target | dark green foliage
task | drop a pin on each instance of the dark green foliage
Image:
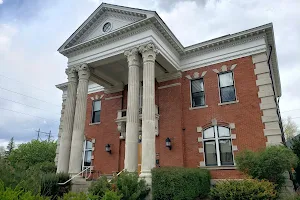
(100, 186)
(126, 185)
(176, 183)
(296, 150)
(32, 153)
(6, 193)
(50, 186)
(269, 164)
(111, 195)
(244, 190)
(78, 196)
(130, 187)
(10, 147)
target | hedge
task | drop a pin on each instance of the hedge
(244, 190)
(176, 183)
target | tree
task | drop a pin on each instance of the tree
(10, 147)
(2, 151)
(290, 128)
(33, 153)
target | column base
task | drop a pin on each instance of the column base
(147, 176)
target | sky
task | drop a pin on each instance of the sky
(31, 31)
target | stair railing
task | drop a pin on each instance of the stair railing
(120, 172)
(83, 171)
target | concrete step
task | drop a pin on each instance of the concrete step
(79, 184)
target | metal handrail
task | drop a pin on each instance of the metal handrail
(117, 174)
(76, 176)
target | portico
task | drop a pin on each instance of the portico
(140, 59)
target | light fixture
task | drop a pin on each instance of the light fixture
(107, 148)
(168, 143)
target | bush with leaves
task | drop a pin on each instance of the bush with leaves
(50, 186)
(78, 196)
(244, 190)
(269, 164)
(176, 183)
(111, 195)
(130, 187)
(296, 150)
(7, 193)
(100, 187)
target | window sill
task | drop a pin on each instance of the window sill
(229, 167)
(198, 107)
(96, 123)
(226, 103)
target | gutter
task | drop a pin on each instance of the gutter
(275, 98)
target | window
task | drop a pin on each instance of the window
(227, 90)
(87, 155)
(217, 146)
(197, 93)
(96, 111)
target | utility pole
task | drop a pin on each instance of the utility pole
(48, 135)
(38, 135)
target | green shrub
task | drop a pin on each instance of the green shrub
(50, 186)
(244, 190)
(17, 194)
(269, 164)
(78, 196)
(100, 187)
(176, 183)
(130, 187)
(111, 195)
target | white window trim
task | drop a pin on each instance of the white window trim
(191, 98)
(91, 122)
(219, 88)
(83, 154)
(216, 139)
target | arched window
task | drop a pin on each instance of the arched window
(217, 146)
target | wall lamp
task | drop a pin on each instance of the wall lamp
(107, 148)
(168, 143)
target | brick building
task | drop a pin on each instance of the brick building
(137, 99)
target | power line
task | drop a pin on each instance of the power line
(289, 110)
(27, 96)
(24, 104)
(25, 114)
(23, 83)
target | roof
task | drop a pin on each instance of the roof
(151, 17)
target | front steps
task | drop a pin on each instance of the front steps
(80, 184)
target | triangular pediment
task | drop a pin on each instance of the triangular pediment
(105, 19)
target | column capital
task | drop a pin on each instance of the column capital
(84, 71)
(133, 57)
(149, 52)
(72, 74)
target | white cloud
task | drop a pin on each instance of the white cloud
(7, 33)
(1, 2)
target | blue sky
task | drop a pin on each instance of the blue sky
(31, 31)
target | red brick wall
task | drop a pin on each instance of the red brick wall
(179, 123)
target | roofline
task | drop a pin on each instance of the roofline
(93, 13)
(62, 86)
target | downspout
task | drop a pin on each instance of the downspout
(275, 98)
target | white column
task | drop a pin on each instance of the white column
(149, 52)
(68, 120)
(79, 121)
(132, 123)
